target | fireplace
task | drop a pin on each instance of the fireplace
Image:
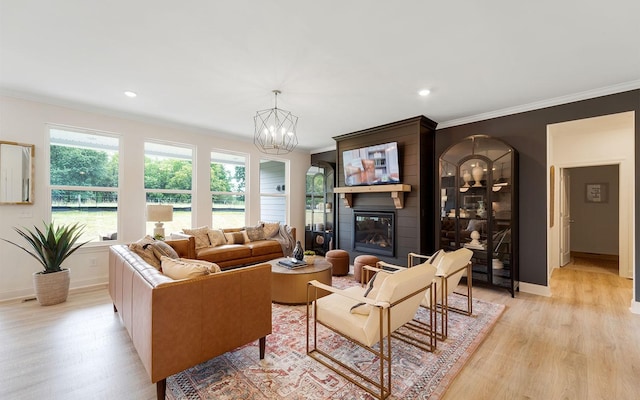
(373, 232)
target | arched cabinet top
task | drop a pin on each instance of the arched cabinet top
(477, 146)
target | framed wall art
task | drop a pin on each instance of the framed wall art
(597, 192)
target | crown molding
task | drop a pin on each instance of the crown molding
(588, 94)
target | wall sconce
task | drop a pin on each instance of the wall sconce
(159, 213)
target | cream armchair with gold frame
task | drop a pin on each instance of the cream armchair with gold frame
(451, 267)
(368, 316)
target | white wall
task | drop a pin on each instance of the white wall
(606, 140)
(25, 121)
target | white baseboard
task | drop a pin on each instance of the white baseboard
(16, 296)
(635, 307)
(535, 289)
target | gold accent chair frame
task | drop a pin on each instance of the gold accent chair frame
(379, 389)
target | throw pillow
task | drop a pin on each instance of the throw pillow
(201, 235)
(144, 249)
(145, 240)
(255, 233)
(371, 293)
(270, 229)
(216, 237)
(160, 249)
(180, 269)
(213, 267)
(239, 237)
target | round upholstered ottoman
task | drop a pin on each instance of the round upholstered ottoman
(340, 261)
(361, 260)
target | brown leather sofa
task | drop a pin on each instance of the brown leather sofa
(175, 325)
(232, 255)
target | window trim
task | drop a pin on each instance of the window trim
(191, 192)
(246, 192)
(287, 182)
(50, 188)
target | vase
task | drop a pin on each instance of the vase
(481, 211)
(52, 288)
(466, 177)
(298, 252)
(477, 173)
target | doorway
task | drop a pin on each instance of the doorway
(589, 215)
(598, 141)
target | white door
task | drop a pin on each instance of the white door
(565, 217)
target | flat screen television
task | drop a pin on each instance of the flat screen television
(373, 165)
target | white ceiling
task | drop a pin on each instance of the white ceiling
(341, 65)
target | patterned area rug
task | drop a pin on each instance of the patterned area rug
(288, 373)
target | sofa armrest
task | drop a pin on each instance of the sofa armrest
(186, 248)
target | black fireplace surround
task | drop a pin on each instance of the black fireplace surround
(374, 232)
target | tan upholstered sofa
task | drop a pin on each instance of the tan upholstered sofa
(175, 325)
(231, 255)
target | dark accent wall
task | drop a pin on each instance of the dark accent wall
(527, 132)
(326, 156)
(414, 222)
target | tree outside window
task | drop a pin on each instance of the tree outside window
(168, 172)
(83, 179)
(228, 189)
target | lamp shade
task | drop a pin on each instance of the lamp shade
(159, 212)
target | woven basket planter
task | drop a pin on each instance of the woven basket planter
(52, 288)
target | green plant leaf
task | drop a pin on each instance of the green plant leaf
(52, 245)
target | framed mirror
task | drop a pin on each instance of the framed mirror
(16, 173)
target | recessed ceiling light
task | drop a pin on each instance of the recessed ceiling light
(129, 93)
(424, 92)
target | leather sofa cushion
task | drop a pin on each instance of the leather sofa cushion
(224, 253)
(262, 247)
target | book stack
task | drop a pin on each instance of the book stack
(292, 263)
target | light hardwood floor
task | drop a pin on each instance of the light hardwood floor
(581, 343)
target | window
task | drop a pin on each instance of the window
(168, 171)
(273, 191)
(228, 190)
(83, 178)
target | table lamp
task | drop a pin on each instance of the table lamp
(159, 213)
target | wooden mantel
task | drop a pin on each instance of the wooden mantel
(397, 192)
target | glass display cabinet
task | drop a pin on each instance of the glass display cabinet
(319, 208)
(479, 207)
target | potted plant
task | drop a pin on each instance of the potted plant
(51, 246)
(309, 256)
